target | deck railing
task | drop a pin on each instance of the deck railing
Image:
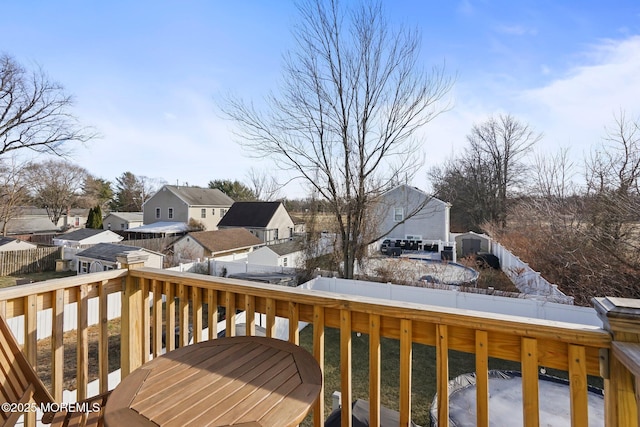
(611, 353)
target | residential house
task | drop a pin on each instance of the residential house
(181, 204)
(10, 244)
(104, 256)
(406, 213)
(269, 221)
(86, 236)
(215, 244)
(122, 220)
(286, 254)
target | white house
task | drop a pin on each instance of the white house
(104, 256)
(86, 236)
(122, 220)
(287, 254)
(406, 213)
(8, 244)
(217, 243)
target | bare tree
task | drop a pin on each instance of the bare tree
(34, 111)
(13, 191)
(265, 187)
(501, 143)
(352, 99)
(56, 186)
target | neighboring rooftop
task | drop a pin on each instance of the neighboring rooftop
(81, 234)
(225, 240)
(128, 216)
(249, 214)
(28, 225)
(286, 248)
(108, 251)
(161, 227)
(196, 196)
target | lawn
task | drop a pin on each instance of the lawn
(6, 281)
(423, 379)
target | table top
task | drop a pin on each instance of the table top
(248, 381)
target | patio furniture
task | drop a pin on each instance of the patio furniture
(253, 380)
(21, 390)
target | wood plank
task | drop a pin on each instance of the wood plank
(318, 353)
(294, 317)
(250, 313)
(212, 313)
(183, 298)
(82, 343)
(405, 371)
(196, 308)
(578, 386)
(345, 367)
(145, 315)
(157, 317)
(482, 378)
(57, 345)
(230, 310)
(103, 339)
(530, 395)
(271, 317)
(442, 374)
(170, 316)
(374, 369)
(629, 354)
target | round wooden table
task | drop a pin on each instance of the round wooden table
(248, 381)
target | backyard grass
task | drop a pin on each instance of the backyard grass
(6, 281)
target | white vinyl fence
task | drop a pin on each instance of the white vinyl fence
(526, 279)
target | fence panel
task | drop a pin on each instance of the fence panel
(28, 261)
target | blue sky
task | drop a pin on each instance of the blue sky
(145, 73)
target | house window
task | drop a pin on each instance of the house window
(170, 213)
(398, 214)
(222, 212)
(157, 213)
(84, 267)
(275, 234)
(203, 213)
(213, 212)
(284, 261)
(122, 226)
(77, 222)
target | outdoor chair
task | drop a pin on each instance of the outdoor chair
(21, 385)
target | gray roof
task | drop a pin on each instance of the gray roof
(30, 225)
(287, 247)
(196, 196)
(128, 216)
(107, 251)
(81, 234)
(6, 240)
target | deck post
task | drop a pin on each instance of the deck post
(131, 333)
(621, 317)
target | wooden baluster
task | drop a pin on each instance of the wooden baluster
(318, 353)
(578, 385)
(57, 344)
(103, 338)
(405, 371)
(170, 315)
(250, 315)
(442, 376)
(212, 312)
(271, 318)
(294, 319)
(31, 342)
(157, 317)
(230, 308)
(146, 320)
(530, 395)
(131, 321)
(482, 379)
(196, 308)
(374, 369)
(82, 376)
(345, 367)
(183, 295)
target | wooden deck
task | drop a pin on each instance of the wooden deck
(610, 353)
